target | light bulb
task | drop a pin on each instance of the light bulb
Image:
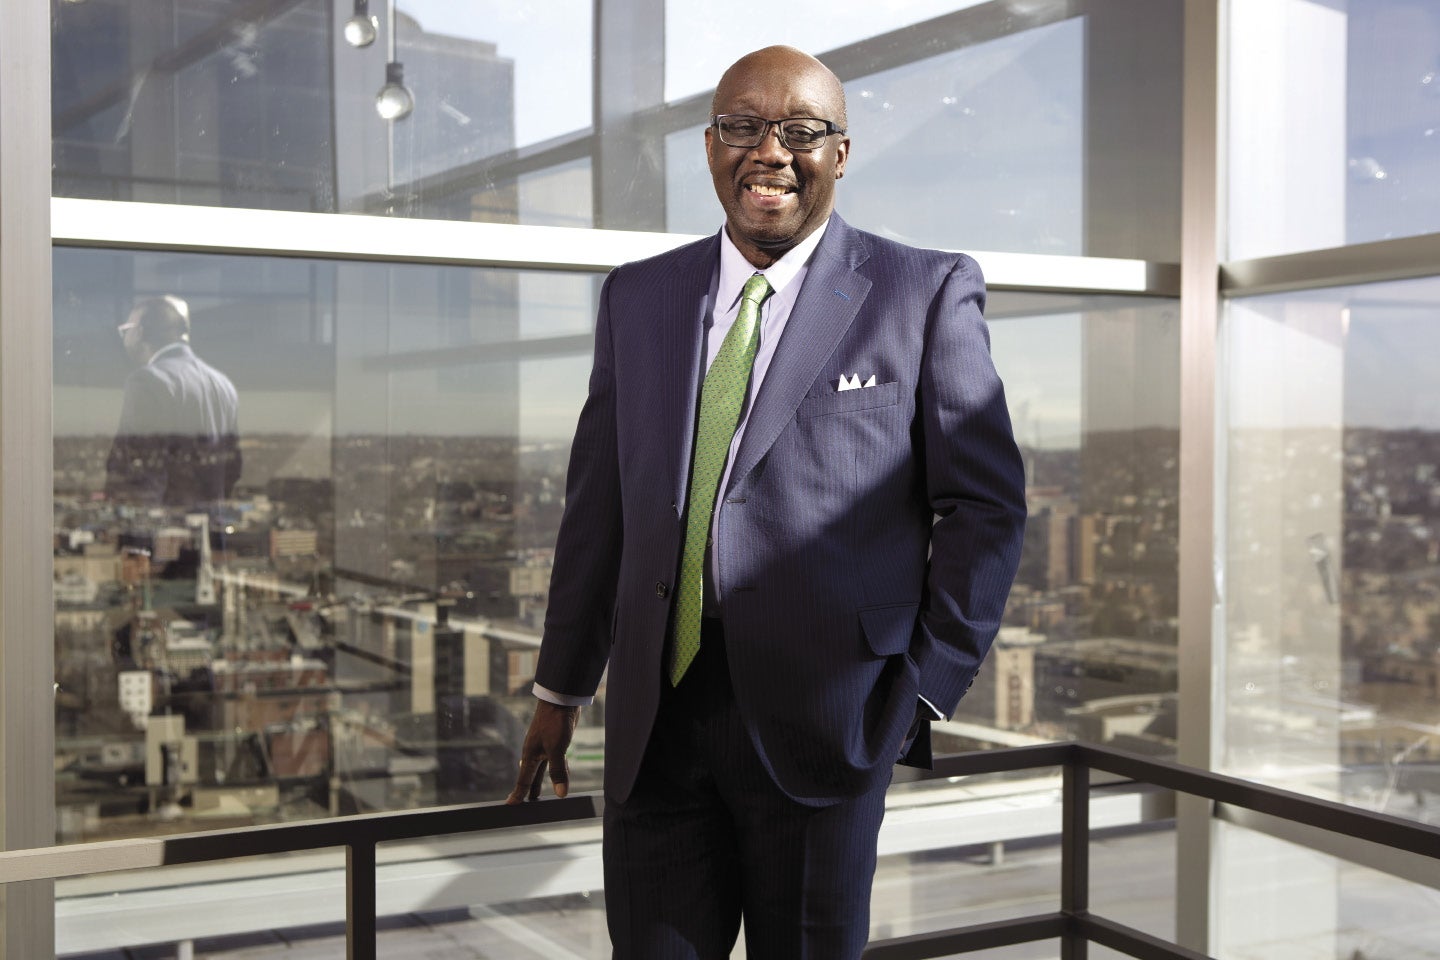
(360, 30)
(394, 101)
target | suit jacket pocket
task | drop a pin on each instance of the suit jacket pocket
(845, 401)
(888, 629)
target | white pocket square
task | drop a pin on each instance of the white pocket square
(852, 382)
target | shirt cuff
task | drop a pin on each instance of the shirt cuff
(935, 714)
(567, 699)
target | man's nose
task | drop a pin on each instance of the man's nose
(770, 150)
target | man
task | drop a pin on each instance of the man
(785, 579)
(178, 442)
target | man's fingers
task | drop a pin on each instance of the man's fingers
(560, 775)
(525, 783)
(545, 744)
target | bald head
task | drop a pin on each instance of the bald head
(794, 65)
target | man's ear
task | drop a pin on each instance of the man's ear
(842, 152)
(710, 144)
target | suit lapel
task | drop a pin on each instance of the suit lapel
(683, 301)
(828, 303)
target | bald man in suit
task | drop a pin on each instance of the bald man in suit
(864, 533)
(178, 443)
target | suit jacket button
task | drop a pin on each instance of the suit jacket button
(661, 590)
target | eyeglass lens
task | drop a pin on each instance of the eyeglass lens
(802, 133)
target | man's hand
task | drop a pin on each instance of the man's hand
(913, 754)
(545, 744)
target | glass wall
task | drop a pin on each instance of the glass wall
(137, 913)
(350, 624)
(206, 102)
(1052, 132)
(1286, 900)
(334, 604)
(979, 148)
(1058, 137)
(1088, 649)
(1327, 551)
(336, 607)
(702, 40)
(1334, 123)
(1333, 543)
(347, 620)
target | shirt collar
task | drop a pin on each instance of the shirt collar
(735, 269)
(173, 346)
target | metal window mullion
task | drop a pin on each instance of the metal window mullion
(1199, 596)
(1401, 258)
(627, 170)
(27, 660)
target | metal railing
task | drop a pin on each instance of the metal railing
(1073, 924)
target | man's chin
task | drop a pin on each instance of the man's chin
(769, 233)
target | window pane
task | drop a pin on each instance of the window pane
(227, 908)
(1334, 124)
(190, 103)
(1332, 534)
(548, 45)
(351, 623)
(982, 148)
(557, 196)
(702, 39)
(1059, 139)
(204, 102)
(987, 848)
(1088, 646)
(1279, 899)
(404, 435)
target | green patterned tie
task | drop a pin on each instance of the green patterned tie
(721, 399)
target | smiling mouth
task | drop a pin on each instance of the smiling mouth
(768, 189)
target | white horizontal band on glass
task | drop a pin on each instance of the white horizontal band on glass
(1041, 271)
(165, 226)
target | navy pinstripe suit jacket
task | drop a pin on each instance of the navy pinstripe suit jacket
(866, 541)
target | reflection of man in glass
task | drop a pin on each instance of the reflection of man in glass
(178, 443)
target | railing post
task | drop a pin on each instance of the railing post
(360, 900)
(1075, 854)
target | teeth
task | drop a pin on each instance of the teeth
(765, 190)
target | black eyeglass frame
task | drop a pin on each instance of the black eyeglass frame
(831, 128)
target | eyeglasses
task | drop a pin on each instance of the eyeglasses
(796, 133)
